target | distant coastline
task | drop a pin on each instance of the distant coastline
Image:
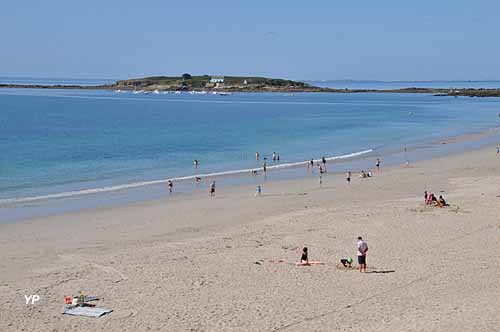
(229, 84)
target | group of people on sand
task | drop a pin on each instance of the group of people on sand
(321, 165)
(276, 157)
(170, 185)
(345, 261)
(430, 199)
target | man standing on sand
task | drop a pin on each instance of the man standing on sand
(362, 250)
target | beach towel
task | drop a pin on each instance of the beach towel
(86, 311)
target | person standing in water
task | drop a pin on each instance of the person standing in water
(212, 189)
(257, 155)
(264, 167)
(362, 250)
(274, 156)
(195, 163)
(170, 186)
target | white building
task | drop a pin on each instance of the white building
(217, 79)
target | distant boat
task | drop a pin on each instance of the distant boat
(224, 93)
(138, 92)
(156, 92)
(177, 92)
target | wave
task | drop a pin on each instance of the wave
(69, 194)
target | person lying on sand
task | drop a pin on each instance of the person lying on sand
(346, 262)
(441, 201)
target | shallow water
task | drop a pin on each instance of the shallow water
(63, 142)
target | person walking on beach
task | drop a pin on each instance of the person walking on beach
(362, 250)
(348, 177)
(377, 164)
(212, 189)
(258, 192)
(170, 186)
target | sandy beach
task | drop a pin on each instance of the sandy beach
(195, 263)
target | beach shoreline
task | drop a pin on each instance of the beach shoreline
(214, 263)
(19, 209)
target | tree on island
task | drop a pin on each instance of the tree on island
(186, 76)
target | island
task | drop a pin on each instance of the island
(229, 84)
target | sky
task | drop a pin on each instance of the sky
(304, 40)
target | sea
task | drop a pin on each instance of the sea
(67, 150)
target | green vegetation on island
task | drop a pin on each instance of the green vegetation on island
(207, 82)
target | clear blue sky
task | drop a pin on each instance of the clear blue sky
(333, 39)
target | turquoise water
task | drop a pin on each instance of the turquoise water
(62, 141)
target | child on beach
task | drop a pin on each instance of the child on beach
(346, 262)
(258, 192)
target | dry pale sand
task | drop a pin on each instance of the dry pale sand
(189, 263)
